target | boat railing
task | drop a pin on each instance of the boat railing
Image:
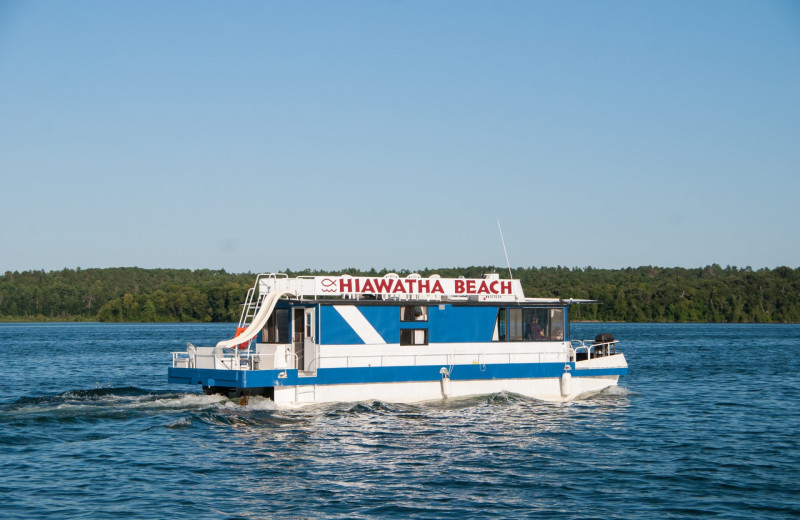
(592, 349)
(183, 360)
(230, 360)
(252, 300)
(481, 360)
(312, 293)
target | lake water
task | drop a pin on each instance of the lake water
(707, 424)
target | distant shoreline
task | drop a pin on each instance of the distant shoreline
(647, 294)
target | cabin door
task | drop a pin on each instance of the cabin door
(298, 341)
(309, 343)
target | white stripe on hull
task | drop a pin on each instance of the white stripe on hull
(546, 389)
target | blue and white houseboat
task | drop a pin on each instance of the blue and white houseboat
(399, 339)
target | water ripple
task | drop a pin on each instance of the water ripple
(693, 432)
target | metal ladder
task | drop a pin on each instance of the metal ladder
(251, 307)
(305, 394)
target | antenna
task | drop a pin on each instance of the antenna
(504, 249)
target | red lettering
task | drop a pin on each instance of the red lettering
(459, 286)
(410, 284)
(493, 287)
(470, 286)
(384, 285)
(398, 287)
(505, 287)
(483, 289)
(424, 286)
(437, 287)
(368, 286)
(345, 285)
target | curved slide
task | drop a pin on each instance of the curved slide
(261, 317)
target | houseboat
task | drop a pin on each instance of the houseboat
(399, 339)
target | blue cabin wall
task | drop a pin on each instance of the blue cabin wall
(333, 330)
(446, 324)
(451, 324)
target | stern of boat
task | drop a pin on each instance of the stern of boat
(596, 365)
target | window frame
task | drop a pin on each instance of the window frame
(410, 340)
(408, 313)
(277, 328)
(517, 323)
(501, 325)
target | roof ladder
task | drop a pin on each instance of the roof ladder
(252, 303)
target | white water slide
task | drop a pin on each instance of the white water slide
(261, 317)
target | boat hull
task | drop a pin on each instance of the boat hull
(405, 384)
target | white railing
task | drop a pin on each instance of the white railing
(235, 360)
(451, 359)
(253, 361)
(254, 293)
(603, 349)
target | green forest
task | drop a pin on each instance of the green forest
(642, 294)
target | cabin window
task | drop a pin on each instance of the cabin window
(277, 328)
(516, 328)
(544, 324)
(515, 325)
(530, 324)
(413, 336)
(500, 326)
(556, 324)
(536, 324)
(414, 313)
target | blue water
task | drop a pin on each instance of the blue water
(705, 425)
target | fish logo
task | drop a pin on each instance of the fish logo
(329, 285)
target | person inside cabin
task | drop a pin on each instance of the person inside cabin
(557, 332)
(534, 330)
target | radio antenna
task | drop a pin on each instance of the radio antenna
(504, 249)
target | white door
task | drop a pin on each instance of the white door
(309, 335)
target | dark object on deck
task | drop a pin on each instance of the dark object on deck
(602, 344)
(604, 337)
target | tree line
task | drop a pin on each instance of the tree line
(642, 294)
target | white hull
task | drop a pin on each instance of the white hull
(545, 389)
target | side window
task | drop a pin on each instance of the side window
(414, 313)
(413, 336)
(537, 324)
(516, 325)
(530, 324)
(277, 328)
(500, 326)
(557, 324)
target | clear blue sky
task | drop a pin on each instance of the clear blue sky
(255, 135)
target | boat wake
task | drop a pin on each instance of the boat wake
(110, 412)
(610, 392)
(87, 403)
(69, 413)
(84, 403)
